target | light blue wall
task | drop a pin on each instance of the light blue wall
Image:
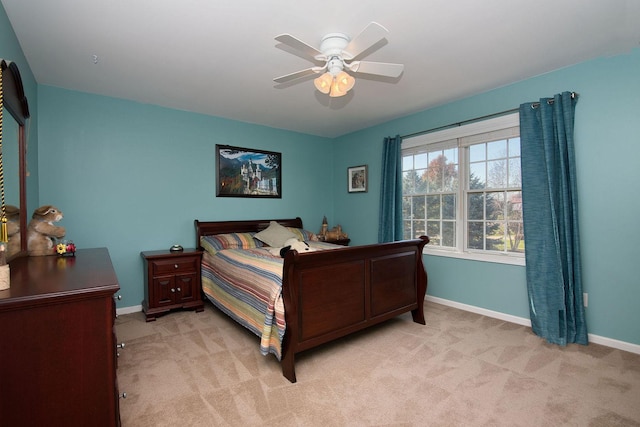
(607, 152)
(133, 177)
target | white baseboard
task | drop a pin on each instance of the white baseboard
(129, 310)
(596, 339)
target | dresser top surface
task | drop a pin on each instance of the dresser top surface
(33, 279)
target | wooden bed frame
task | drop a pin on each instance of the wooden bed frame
(330, 294)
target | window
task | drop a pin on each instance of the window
(462, 188)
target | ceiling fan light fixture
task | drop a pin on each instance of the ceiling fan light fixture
(324, 82)
(336, 90)
(345, 81)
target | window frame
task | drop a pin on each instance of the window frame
(465, 133)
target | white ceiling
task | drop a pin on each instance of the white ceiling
(220, 57)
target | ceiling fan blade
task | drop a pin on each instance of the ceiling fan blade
(298, 44)
(298, 74)
(371, 35)
(378, 68)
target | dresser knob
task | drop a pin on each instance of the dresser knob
(175, 265)
(121, 345)
(117, 354)
(123, 395)
(173, 290)
(118, 297)
(179, 290)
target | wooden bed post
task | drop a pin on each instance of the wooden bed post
(287, 358)
(418, 313)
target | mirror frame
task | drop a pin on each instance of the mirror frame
(15, 102)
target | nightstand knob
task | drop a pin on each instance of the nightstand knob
(179, 290)
(121, 345)
(118, 297)
(175, 266)
(173, 290)
(123, 395)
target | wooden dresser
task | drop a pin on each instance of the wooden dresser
(57, 342)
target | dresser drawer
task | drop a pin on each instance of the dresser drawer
(177, 265)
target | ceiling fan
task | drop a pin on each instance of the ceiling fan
(339, 54)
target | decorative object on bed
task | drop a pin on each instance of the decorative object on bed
(243, 172)
(307, 299)
(357, 179)
(275, 235)
(296, 245)
(42, 234)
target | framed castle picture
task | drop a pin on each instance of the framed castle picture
(357, 179)
(243, 172)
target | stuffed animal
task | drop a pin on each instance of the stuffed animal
(41, 231)
(295, 244)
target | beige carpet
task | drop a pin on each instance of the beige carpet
(462, 369)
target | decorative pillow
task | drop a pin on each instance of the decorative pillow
(218, 242)
(303, 235)
(275, 235)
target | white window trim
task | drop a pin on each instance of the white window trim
(483, 126)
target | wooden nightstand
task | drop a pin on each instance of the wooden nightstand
(343, 242)
(172, 281)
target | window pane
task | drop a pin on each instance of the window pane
(497, 174)
(433, 231)
(421, 181)
(420, 161)
(451, 155)
(516, 237)
(448, 206)
(433, 207)
(497, 149)
(434, 174)
(477, 176)
(449, 234)
(418, 229)
(408, 182)
(418, 207)
(406, 208)
(477, 153)
(476, 235)
(514, 205)
(495, 206)
(514, 147)
(495, 237)
(515, 177)
(450, 178)
(406, 229)
(475, 206)
(407, 163)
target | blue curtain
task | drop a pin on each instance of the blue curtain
(390, 222)
(550, 208)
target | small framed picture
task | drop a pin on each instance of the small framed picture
(357, 179)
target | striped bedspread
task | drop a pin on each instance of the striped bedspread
(246, 284)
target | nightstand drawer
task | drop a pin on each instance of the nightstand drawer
(171, 266)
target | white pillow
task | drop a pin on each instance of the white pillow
(275, 235)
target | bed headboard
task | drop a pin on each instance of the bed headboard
(207, 228)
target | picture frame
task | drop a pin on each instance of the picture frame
(357, 181)
(245, 172)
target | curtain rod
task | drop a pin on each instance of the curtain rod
(488, 116)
